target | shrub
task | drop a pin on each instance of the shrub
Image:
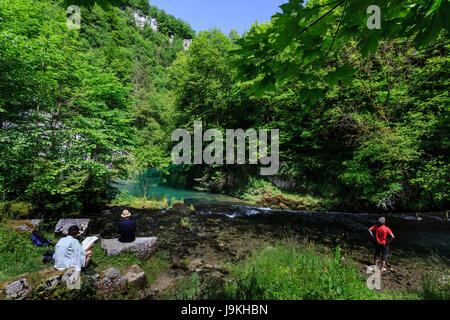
(17, 254)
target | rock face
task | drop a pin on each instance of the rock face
(142, 20)
(18, 290)
(144, 248)
(187, 43)
(63, 225)
(180, 209)
(136, 277)
(27, 225)
(110, 281)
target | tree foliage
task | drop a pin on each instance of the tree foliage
(76, 105)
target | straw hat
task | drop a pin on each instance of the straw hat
(125, 214)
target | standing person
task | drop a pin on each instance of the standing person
(380, 236)
(70, 253)
(127, 228)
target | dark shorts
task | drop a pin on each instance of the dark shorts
(381, 249)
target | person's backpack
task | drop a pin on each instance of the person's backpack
(48, 257)
(38, 239)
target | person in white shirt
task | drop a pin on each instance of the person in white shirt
(70, 253)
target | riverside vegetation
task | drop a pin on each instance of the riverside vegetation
(363, 117)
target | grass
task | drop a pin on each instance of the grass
(126, 200)
(290, 271)
(17, 254)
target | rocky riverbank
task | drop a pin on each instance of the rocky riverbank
(201, 242)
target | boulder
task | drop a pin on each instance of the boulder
(63, 225)
(180, 209)
(111, 281)
(18, 290)
(144, 248)
(187, 43)
(136, 277)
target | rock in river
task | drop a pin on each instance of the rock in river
(144, 248)
(18, 290)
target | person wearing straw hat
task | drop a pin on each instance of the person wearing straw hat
(380, 236)
(127, 228)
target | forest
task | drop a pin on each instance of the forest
(363, 114)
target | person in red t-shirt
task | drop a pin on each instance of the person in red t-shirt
(380, 233)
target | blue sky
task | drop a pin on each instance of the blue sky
(225, 14)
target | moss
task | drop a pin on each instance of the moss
(16, 209)
(141, 203)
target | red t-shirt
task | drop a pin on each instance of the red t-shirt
(381, 232)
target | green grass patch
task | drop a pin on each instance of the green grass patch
(185, 289)
(432, 289)
(293, 272)
(17, 254)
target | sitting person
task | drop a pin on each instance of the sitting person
(127, 228)
(70, 253)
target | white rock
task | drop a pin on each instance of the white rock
(18, 290)
(63, 225)
(144, 248)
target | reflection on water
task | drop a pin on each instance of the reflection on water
(178, 193)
